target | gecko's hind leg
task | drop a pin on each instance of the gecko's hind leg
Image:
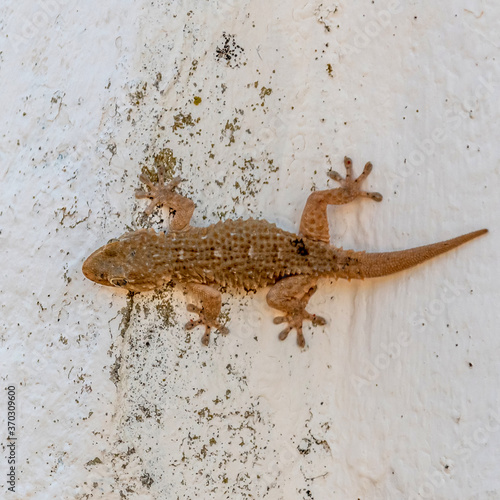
(208, 312)
(291, 295)
(181, 207)
(314, 222)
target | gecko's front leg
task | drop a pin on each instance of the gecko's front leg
(291, 295)
(181, 207)
(208, 311)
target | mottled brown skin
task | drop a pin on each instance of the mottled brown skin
(248, 254)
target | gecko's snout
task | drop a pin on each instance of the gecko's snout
(104, 267)
(114, 264)
(121, 262)
(93, 271)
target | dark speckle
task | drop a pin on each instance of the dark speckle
(301, 247)
(230, 51)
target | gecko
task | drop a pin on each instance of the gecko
(247, 254)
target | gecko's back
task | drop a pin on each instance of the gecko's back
(238, 253)
(245, 253)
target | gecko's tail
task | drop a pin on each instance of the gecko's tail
(373, 265)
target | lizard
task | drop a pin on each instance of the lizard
(248, 254)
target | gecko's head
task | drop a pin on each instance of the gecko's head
(121, 263)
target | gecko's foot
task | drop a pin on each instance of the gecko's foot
(158, 193)
(352, 187)
(203, 320)
(295, 321)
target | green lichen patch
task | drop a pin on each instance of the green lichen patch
(95, 461)
(194, 67)
(157, 81)
(164, 159)
(272, 167)
(167, 314)
(229, 130)
(139, 94)
(114, 372)
(264, 91)
(182, 121)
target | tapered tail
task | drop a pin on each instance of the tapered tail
(373, 265)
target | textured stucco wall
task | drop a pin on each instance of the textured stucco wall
(397, 396)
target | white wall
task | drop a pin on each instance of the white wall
(397, 396)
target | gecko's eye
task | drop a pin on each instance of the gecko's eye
(118, 281)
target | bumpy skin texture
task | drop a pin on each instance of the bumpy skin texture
(248, 254)
(239, 253)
